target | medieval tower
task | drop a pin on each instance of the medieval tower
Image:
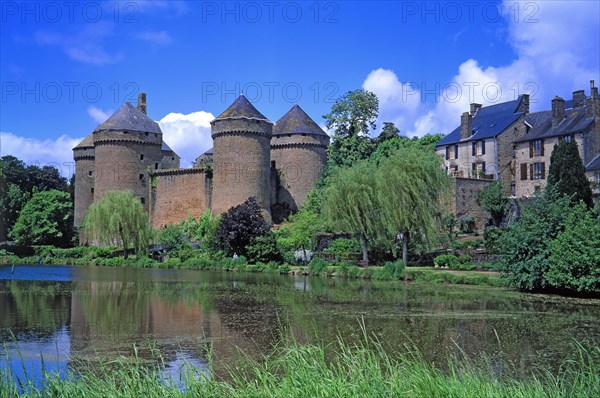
(299, 154)
(241, 157)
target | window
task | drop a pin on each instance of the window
(141, 176)
(155, 166)
(536, 148)
(478, 148)
(455, 151)
(523, 171)
(452, 152)
(478, 169)
(141, 157)
(172, 158)
(567, 138)
(597, 177)
(92, 190)
(538, 171)
(90, 173)
(143, 200)
(272, 164)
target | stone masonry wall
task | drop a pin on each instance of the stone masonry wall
(465, 202)
(506, 153)
(177, 194)
(85, 174)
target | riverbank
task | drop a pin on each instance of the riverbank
(342, 270)
(363, 370)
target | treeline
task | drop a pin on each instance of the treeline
(36, 204)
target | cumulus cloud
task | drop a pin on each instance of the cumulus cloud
(52, 152)
(98, 114)
(187, 134)
(556, 52)
(398, 102)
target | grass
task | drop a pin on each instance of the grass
(294, 370)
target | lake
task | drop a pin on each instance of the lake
(58, 317)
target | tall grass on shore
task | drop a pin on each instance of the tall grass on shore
(296, 370)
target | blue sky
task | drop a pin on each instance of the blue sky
(66, 66)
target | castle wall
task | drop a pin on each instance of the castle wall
(241, 163)
(299, 161)
(464, 201)
(85, 174)
(177, 194)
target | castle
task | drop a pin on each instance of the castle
(276, 163)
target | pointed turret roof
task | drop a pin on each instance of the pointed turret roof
(88, 142)
(241, 108)
(129, 118)
(296, 121)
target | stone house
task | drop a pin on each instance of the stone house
(575, 120)
(480, 151)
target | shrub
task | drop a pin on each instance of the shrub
(342, 247)
(446, 261)
(264, 249)
(467, 225)
(289, 258)
(465, 259)
(284, 269)
(240, 226)
(491, 236)
(173, 240)
(317, 266)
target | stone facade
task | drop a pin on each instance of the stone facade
(464, 199)
(127, 152)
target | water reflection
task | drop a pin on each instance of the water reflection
(68, 314)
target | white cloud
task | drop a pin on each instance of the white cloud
(556, 47)
(87, 45)
(57, 153)
(98, 114)
(156, 37)
(188, 135)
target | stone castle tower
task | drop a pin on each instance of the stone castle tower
(299, 154)
(251, 157)
(118, 155)
(241, 156)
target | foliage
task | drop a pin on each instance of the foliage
(493, 200)
(389, 131)
(574, 263)
(532, 251)
(317, 266)
(46, 219)
(343, 247)
(240, 225)
(351, 118)
(173, 240)
(203, 230)
(449, 222)
(118, 218)
(385, 148)
(446, 261)
(467, 225)
(264, 249)
(491, 237)
(300, 230)
(567, 173)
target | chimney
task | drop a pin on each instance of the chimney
(466, 125)
(474, 108)
(142, 103)
(593, 90)
(524, 104)
(578, 98)
(558, 110)
(592, 104)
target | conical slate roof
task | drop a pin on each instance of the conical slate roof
(129, 118)
(88, 142)
(296, 121)
(241, 108)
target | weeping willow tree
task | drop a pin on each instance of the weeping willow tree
(412, 189)
(402, 196)
(352, 204)
(118, 219)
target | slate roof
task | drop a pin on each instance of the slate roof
(129, 118)
(296, 121)
(488, 122)
(88, 142)
(575, 121)
(208, 152)
(166, 148)
(594, 164)
(241, 108)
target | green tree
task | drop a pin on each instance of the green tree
(526, 246)
(118, 218)
(352, 204)
(46, 219)
(300, 231)
(411, 189)
(240, 226)
(352, 117)
(387, 147)
(388, 131)
(574, 263)
(173, 239)
(567, 173)
(203, 230)
(492, 200)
